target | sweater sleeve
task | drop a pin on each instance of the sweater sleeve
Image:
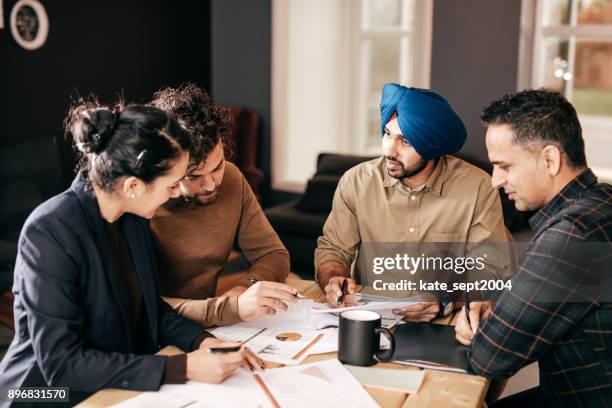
(217, 311)
(259, 242)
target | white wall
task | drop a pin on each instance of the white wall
(310, 86)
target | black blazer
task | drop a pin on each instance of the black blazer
(70, 325)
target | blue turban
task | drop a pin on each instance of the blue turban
(426, 119)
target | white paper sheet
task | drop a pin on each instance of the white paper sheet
(157, 400)
(331, 319)
(240, 390)
(328, 343)
(375, 306)
(321, 384)
(297, 317)
(280, 345)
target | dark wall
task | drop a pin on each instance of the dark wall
(475, 58)
(105, 47)
(241, 41)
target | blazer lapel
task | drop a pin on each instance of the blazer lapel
(142, 261)
(81, 187)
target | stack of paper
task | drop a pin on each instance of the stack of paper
(322, 384)
(288, 337)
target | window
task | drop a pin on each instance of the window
(393, 45)
(572, 53)
(330, 59)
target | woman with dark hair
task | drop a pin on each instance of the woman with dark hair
(88, 314)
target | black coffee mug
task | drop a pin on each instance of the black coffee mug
(359, 338)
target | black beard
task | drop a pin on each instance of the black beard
(191, 201)
(407, 172)
(195, 201)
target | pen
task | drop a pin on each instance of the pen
(466, 301)
(222, 349)
(343, 288)
(253, 280)
(298, 294)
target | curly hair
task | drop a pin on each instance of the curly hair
(206, 121)
(540, 115)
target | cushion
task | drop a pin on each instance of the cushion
(319, 194)
(287, 219)
(338, 164)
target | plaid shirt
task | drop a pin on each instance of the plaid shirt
(571, 340)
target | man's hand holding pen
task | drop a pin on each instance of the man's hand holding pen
(339, 291)
(469, 319)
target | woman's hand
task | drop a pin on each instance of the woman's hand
(214, 368)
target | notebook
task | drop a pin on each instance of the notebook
(407, 381)
(430, 346)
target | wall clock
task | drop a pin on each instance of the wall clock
(29, 24)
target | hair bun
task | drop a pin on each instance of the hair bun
(93, 129)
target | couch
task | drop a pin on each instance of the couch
(30, 172)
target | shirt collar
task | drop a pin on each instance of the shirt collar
(434, 182)
(569, 193)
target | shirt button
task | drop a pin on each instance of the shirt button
(411, 229)
(125, 383)
(412, 197)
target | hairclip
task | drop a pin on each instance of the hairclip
(139, 159)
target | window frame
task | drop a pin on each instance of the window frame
(420, 34)
(286, 155)
(533, 34)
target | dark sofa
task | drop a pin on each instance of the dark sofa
(30, 172)
(300, 222)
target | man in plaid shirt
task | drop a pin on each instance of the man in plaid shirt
(558, 311)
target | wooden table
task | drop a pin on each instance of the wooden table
(439, 388)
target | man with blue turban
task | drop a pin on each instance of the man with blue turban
(415, 193)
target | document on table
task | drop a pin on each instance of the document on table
(284, 346)
(301, 322)
(322, 384)
(296, 317)
(239, 390)
(329, 342)
(157, 400)
(332, 319)
(375, 306)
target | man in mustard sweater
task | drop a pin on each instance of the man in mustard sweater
(194, 235)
